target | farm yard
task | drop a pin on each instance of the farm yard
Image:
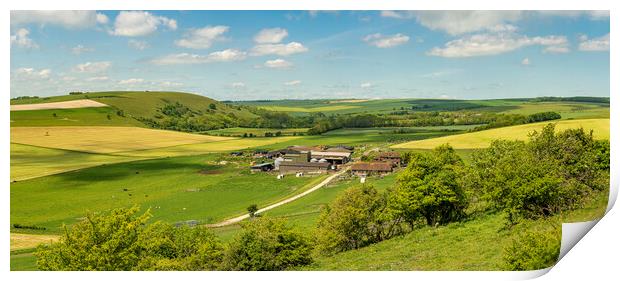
(185, 175)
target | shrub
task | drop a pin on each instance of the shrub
(430, 188)
(267, 244)
(353, 220)
(533, 250)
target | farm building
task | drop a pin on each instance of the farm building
(310, 167)
(334, 157)
(390, 156)
(263, 167)
(296, 156)
(371, 168)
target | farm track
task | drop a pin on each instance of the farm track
(280, 203)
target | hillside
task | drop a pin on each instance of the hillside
(483, 139)
(165, 110)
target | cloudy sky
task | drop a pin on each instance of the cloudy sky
(246, 55)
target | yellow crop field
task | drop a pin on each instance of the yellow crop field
(483, 139)
(200, 148)
(309, 109)
(25, 241)
(105, 139)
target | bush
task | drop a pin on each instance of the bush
(430, 188)
(533, 250)
(353, 220)
(121, 240)
(552, 172)
(267, 244)
(165, 247)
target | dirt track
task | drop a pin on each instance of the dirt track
(280, 203)
(57, 105)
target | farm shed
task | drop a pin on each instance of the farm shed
(310, 167)
(370, 168)
(390, 156)
(263, 167)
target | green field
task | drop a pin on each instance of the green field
(483, 139)
(31, 161)
(258, 132)
(92, 116)
(175, 189)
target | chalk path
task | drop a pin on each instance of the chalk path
(280, 203)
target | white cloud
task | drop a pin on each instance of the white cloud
(68, 19)
(98, 79)
(278, 49)
(366, 85)
(278, 63)
(595, 44)
(461, 22)
(102, 19)
(495, 43)
(171, 84)
(292, 83)
(80, 49)
(92, 67)
(138, 44)
(237, 85)
(136, 23)
(386, 41)
(20, 38)
(557, 49)
(28, 73)
(131, 81)
(202, 38)
(185, 58)
(270, 35)
(525, 61)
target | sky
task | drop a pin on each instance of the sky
(261, 55)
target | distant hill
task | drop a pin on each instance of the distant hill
(164, 110)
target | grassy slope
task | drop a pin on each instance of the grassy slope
(476, 244)
(174, 189)
(93, 116)
(142, 104)
(32, 161)
(483, 138)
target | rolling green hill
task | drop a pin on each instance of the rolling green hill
(166, 110)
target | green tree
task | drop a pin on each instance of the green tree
(99, 242)
(351, 221)
(165, 247)
(430, 188)
(252, 210)
(212, 106)
(267, 244)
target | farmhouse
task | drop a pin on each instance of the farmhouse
(310, 167)
(371, 168)
(390, 156)
(263, 167)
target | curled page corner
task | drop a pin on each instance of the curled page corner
(572, 233)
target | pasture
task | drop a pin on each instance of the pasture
(32, 161)
(483, 139)
(309, 109)
(258, 132)
(104, 139)
(174, 189)
(95, 116)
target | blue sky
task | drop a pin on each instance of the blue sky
(246, 55)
